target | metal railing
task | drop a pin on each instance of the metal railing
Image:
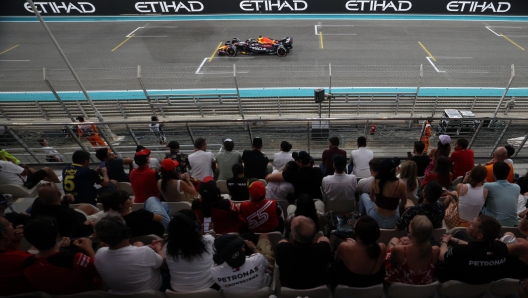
(390, 137)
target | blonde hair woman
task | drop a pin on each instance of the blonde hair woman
(409, 174)
(411, 261)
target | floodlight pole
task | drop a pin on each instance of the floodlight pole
(97, 114)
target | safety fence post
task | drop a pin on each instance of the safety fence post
(241, 111)
(56, 95)
(504, 93)
(499, 139)
(19, 140)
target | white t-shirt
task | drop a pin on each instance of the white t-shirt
(50, 151)
(10, 173)
(201, 163)
(153, 164)
(129, 269)
(340, 187)
(364, 185)
(361, 158)
(280, 159)
(194, 275)
(278, 190)
(250, 276)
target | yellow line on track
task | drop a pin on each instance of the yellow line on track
(321, 39)
(9, 49)
(430, 55)
(502, 36)
(214, 53)
(123, 42)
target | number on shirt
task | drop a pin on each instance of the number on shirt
(68, 183)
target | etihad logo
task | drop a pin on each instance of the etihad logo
(270, 5)
(474, 6)
(61, 7)
(169, 6)
(374, 5)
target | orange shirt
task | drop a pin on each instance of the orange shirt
(490, 178)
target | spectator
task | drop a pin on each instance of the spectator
(175, 187)
(523, 184)
(517, 263)
(153, 162)
(480, 260)
(157, 128)
(12, 279)
(502, 199)
(255, 162)
(237, 273)
(144, 180)
(223, 213)
(281, 158)
(201, 162)
(262, 215)
(175, 154)
(463, 159)
(237, 185)
(386, 194)
(359, 262)
(421, 159)
(52, 155)
(71, 222)
(441, 173)
(307, 207)
(282, 191)
(90, 132)
(499, 155)
(443, 148)
(141, 263)
(364, 184)
(227, 159)
(305, 180)
(142, 221)
(412, 259)
(433, 209)
(426, 135)
(303, 263)
(55, 271)
(327, 160)
(360, 158)
(10, 173)
(339, 186)
(189, 255)
(78, 179)
(6, 156)
(471, 198)
(409, 176)
(114, 165)
(510, 151)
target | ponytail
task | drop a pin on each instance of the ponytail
(425, 250)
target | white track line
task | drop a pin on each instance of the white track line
(430, 61)
(200, 67)
(150, 36)
(15, 60)
(505, 27)
(134, 31)
(488, 27)
(445, 57)
(317, 33)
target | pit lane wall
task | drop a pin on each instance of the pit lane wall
(189, 7)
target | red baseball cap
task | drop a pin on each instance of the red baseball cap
(168, 164)
(144, 152)
(257, 190)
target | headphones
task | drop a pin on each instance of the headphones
(191, 223)
(236, 243)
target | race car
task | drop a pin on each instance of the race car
(253, 46)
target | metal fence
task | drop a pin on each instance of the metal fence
(391, 137)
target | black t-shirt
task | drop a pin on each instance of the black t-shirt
(303, 266)
(116, 171)
(238, 189)
(140, 221)
(255, 164)
(422, 162)
(305, 180)
(71, 222)
(477, 262)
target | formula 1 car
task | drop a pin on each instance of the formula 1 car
(253, 46)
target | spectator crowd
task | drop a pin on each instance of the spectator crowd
(223, 241)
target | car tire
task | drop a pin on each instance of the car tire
(231, 51)
(281, 51)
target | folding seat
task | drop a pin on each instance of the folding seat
(206, 293)
(370, 292)
(401, 290)
(504, 287)
(458, 289)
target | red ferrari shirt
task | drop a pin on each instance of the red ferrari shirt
(144, 182)
(463, 160)
(261, 217)
(62, 273)
(12, 279)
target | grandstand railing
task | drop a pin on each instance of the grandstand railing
(387, 137)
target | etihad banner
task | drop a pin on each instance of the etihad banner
(132, 7)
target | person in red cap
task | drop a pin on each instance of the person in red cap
(144, 180)
(175, 187)
(261, 215)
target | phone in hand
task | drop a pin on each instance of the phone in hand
(102, 165)
(207, 221)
